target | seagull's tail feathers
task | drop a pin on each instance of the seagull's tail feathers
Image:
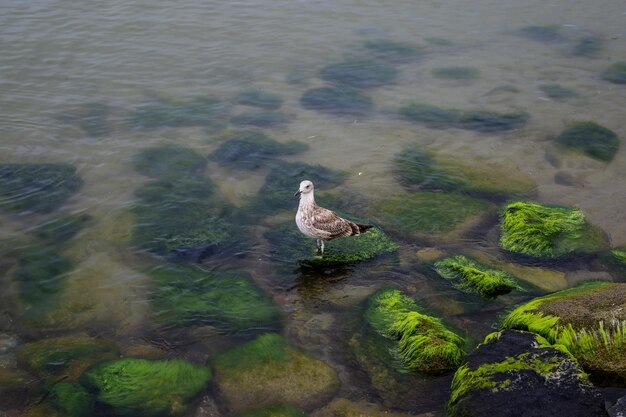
(363, 227)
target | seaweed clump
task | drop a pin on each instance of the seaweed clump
(420, 343)
(39, 188)
(360, 73)
(591, 139)
(616, 73)
(71, 399)
(337, 100)
(456, 73)
(471, 276)
(589, 46)
(142, 387)
(202, 111)
(258, 98)
(558, 92)
(546, 231)
(260, 119)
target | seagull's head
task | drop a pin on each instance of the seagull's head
(306, 187)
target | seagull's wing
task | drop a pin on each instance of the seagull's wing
(331, 224)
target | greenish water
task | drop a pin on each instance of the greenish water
(160, 145)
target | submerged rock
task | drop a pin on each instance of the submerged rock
(546, 34)
(260, 119)
(589, 46)
(252, 150)
(591, 139)
(394, 51)
(258, 98)
(39, 188)
(61, 229)
(589, 320)
(360, 73)
(203, 111)
(92, 118)
(148, 388)
(471, 276)
(456, 73)
(558, 92)
(518, 374)
(269, 370)
(430, 116)
(545, 231)
(616, 73)
(340, 100)
(169, 162)
(231, 302)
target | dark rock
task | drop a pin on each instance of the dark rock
(490, 121)
(616, 73)
(360, 74)
(430, 116)
(260, 99)
(589, 46)
(456, 73)
(558, 92)
(517, 374)
(339, 100)
(591, 139)
(260, 119)
(618, 409)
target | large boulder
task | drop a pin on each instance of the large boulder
(589, 320)
(518, 374)
(269, 370)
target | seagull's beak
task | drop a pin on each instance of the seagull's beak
(297, 194)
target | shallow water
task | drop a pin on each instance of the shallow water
(58, 56)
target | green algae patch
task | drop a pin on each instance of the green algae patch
(420, 343)
(231, 302)
(149, 388)
(200, 111)
(60, 354)
(558, 92)
(430, 214)
(456, 73)
(276, 411)
(337, 100)
(430, 116)
(588, 320)
(619, 255)
(61, 229)
(259, 98)
(590, 139)
(168, 162)
(40, 188)
(615, 73)
(547, 231)
(417, 169)
(71, 399)
(269, 370)
(471, 276)
(360, 73)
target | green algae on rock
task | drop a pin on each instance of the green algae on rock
(420, 343)
(471, 276)
(269, 370)
(589, 46)
(515, 374)
(456, 73)
(394, 51)
(337, 100)
(71, 399)
(417, 169)
(588, 320)
(545, 231)
(258, 98)
(149, 388)
(202, 111)
(252, 150)
(276, 411)
(360, 73)
(558, 92)
(591, 139)
(231, 302)
(167, 162)
(616, 73)
(39, 188)
(430, 116)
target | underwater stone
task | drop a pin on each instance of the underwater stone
(545, 231)
(430, 116)
(471, 276)
(589, 46)
(456, 73)
(149, 388)
(203, 111)
(168, 162)
(252, 150)
(394, 51)
(269, 370)
(616, 73)
(421, 342)
(231, 302)
(260, 119)
(589, 320)
(591, 139)
(57, 354)
(337, 100)
(360, 74)
(276, 411)
(545, 34)
(40, 188)
(257, 98)
(490, 121)
(517, 374)
(185, 189)
(557, 92)
(72, 399)
(287, 241)
(61, 229)
(91, 118)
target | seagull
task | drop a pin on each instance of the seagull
(320, 223)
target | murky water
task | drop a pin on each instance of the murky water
(76, 75)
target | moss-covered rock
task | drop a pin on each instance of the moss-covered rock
(615, 73)
(416, 169)
(589, 46)
(40, 188)
(260, 119)
(60, 229)
(149, 388)
(203, 111)
(589, 320)
(189, 295)
(546, 34)
(471, 276)
(360, 73)
(431, 215)
(591, 139)
(252, 150)
(71, 399)
(558, 92)
(269, 370)
(288, 243)
(276, 411)
(337, 100)
(394, 51)
(258, 98)
(456, 73)
(430, 116)
(421, 343)
(515, 374)
(545, 231)
(62, 354)
(168, 162)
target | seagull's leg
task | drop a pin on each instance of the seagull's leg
(318, 242)
(322, 248)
